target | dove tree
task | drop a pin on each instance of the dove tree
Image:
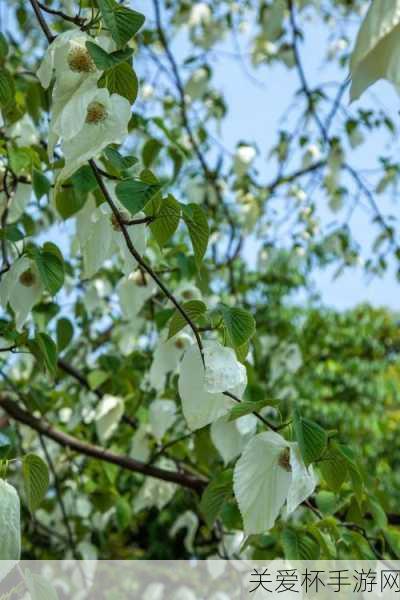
(162, 377)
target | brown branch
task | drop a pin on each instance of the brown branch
(58, 13)
(141, 262)
(87, 449)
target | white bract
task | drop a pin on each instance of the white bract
(10, 526)
(162, 415)
(109, 413)
(199, 406)
(17, 201)
(155, 492)
(189, 521)
(133, 292)
(140, 449)
(200, 14)
(103, 119)
(68, 59)
(231, 437)
(244, 157)
(197, 85)
(377, 50)
(269, 473)
(100, 238)
(24, 132)
(222, 369)
(285, 359)
(21, 287)
(166, 359)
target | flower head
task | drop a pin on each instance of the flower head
(270, 473)
(200, 406)
(21, 287)
(100, 119)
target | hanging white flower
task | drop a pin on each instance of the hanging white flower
(286, 359)
(162, 415)
(109, 413)
(155, 492)
(199, 406)
(103, 119)
(200, 14)
(133, 292)
(197, 85)
(22, 288)
(189, 521)
(127, 335)
(140, 448)
(231, 437)
(269, 473)
(17, 201)
(166, 359)
(68, 59)
(24, 132)
(377, 49)
(100, 238)
(10, 526)
(222, 369)
(243, 159)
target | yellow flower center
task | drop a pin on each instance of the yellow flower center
(27, 278)
(80, 61)
(284, 460)
(96, 113)
(139, 278)
(180, 344)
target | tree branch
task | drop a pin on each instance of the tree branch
(68, 441)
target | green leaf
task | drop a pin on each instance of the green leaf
(150, 151)
(96, 378)
(299, 545)
(239, 325)
(65, 333)
(36, 480)
(11, 233)
(7, 89)
(5, 446)
(167, 220)
(246, 408)
(392, 536)
(334, 470)
(22, 160)
(103, 60)
(193, 308)
(135, 194)
(84, 180)
(312, 439)
(3, 46)
(68, 202)
(354, 471)
(215, 496)
(119, 162)
(123, 513)
(51, 269)
(122, 22)
(41, 185)
(121, 80)
(197, 224)
(47, 352)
